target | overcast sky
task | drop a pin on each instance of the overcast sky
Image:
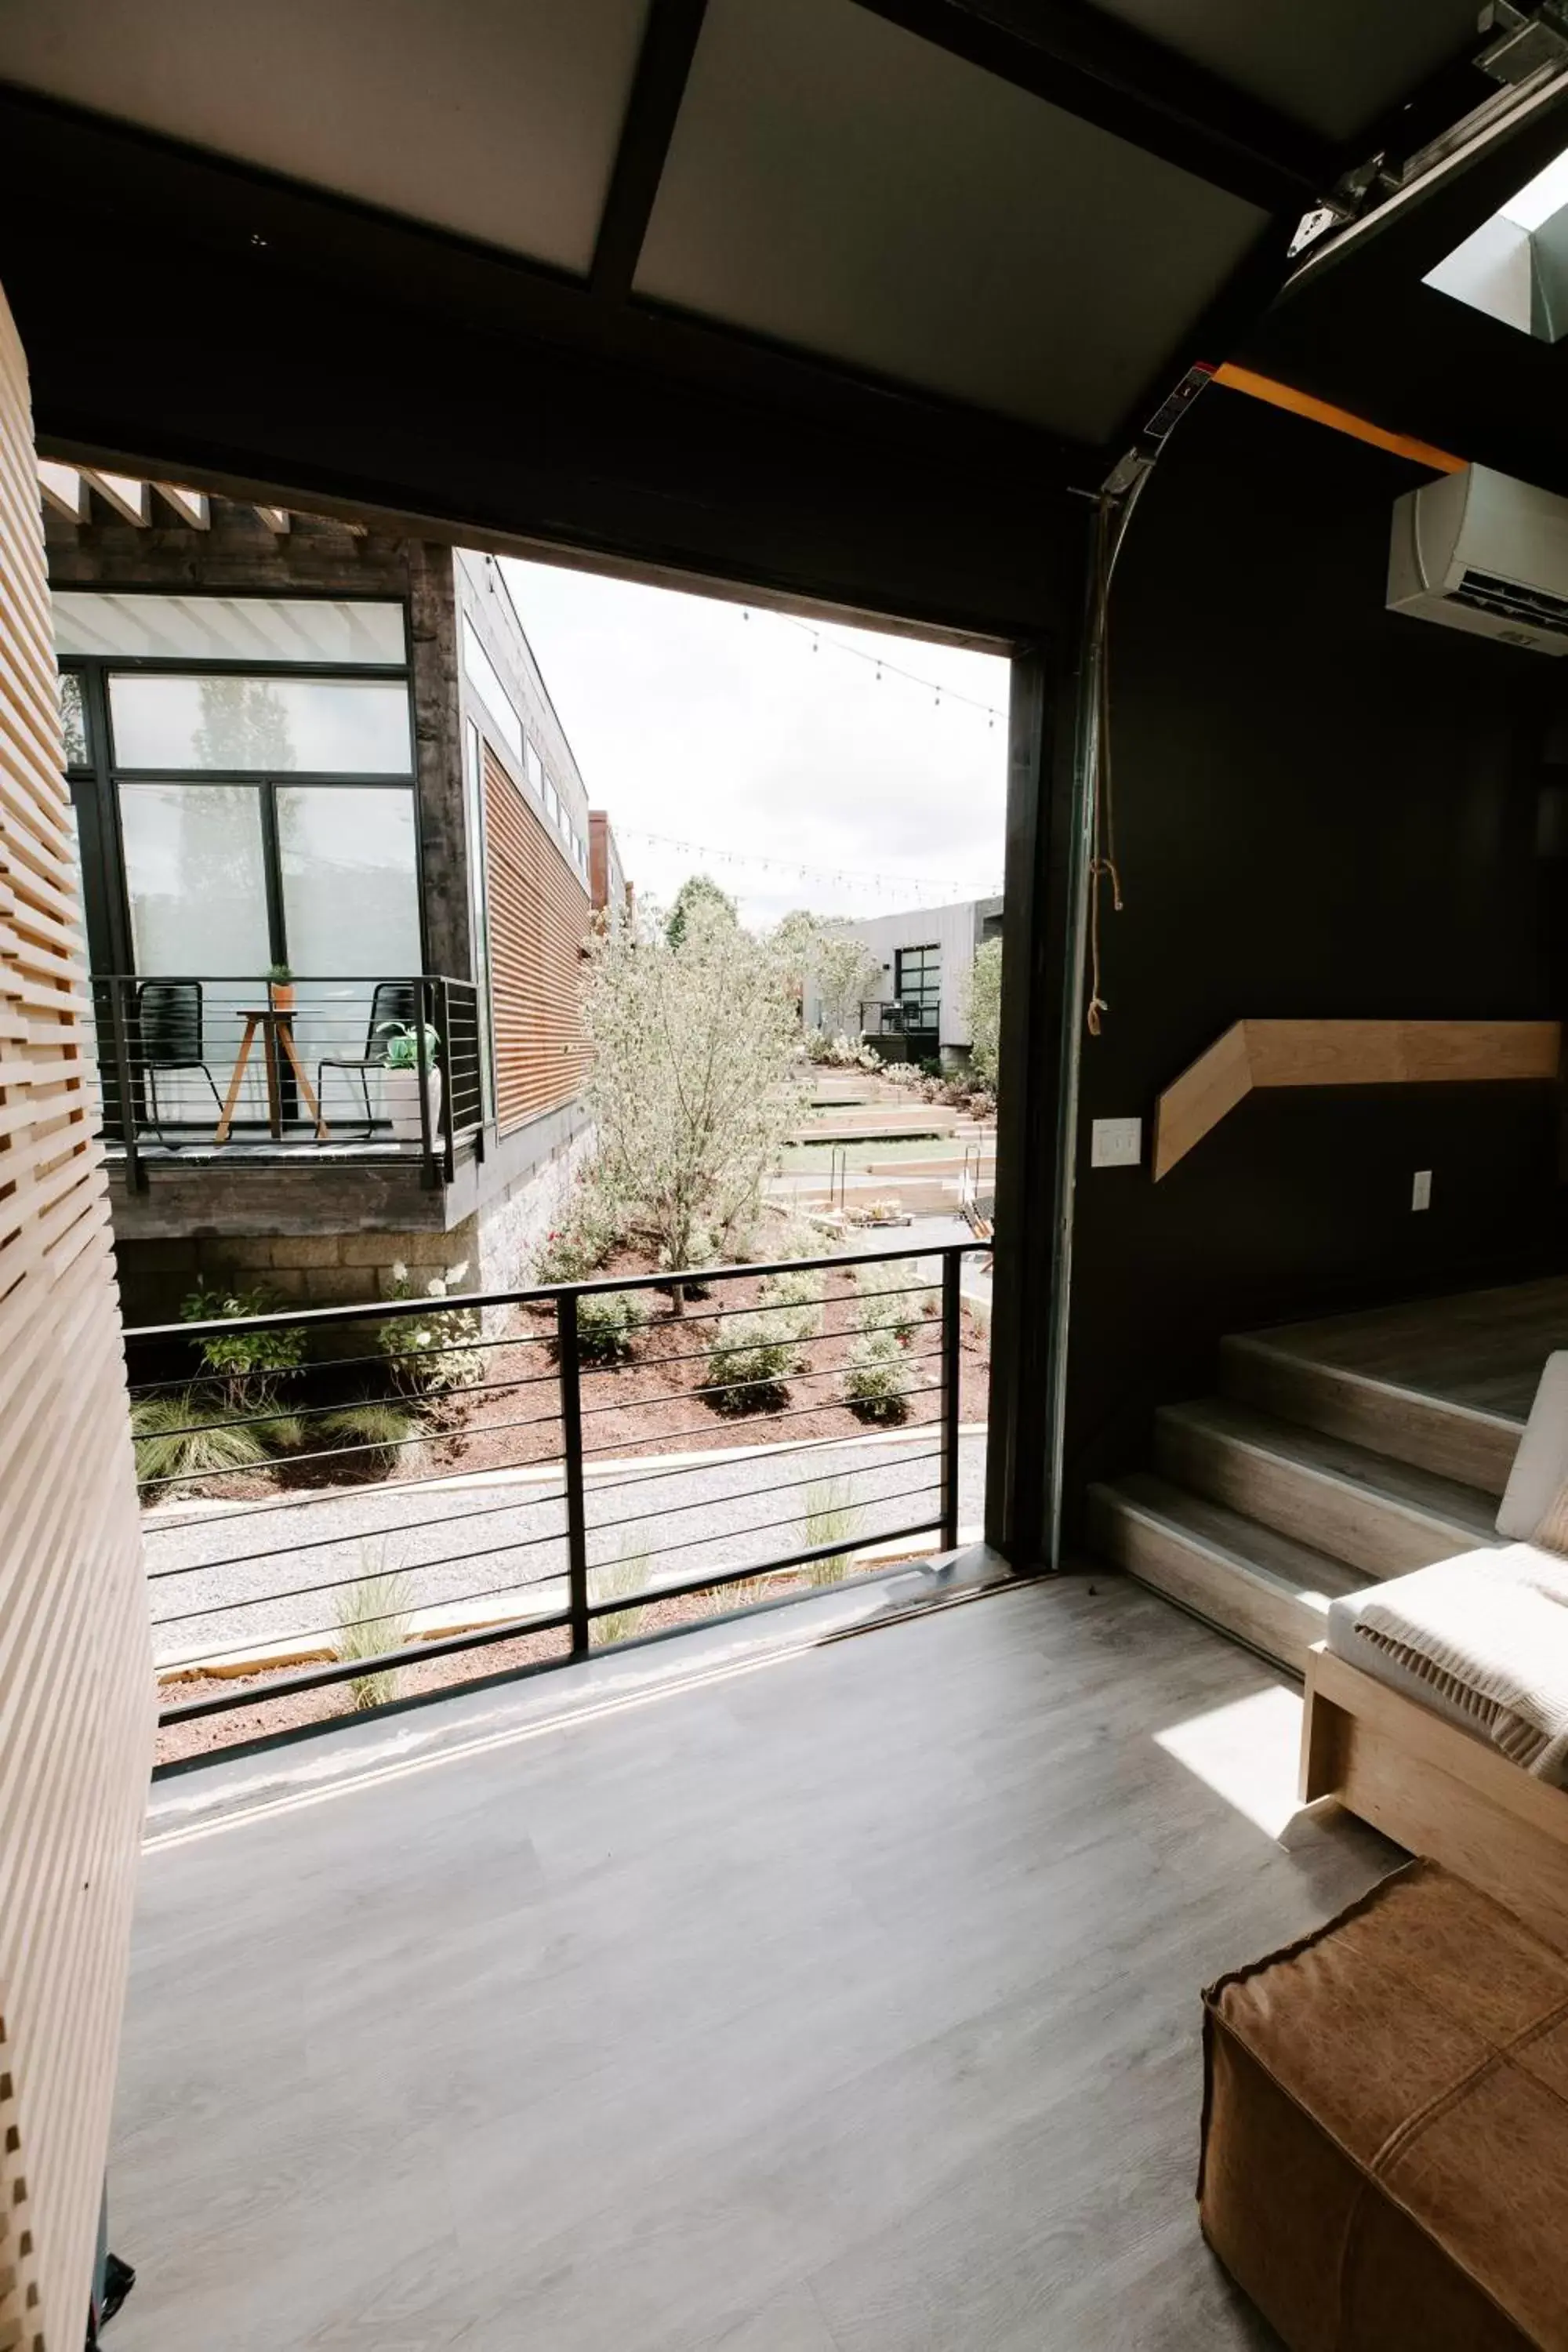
(693, 722)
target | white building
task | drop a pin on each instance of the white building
(918, 1008)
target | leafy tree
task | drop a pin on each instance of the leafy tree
(694, 1086)
(835, 960)
(985, 1008)
(698, 893)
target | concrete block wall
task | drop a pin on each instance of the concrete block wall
(497, 1244)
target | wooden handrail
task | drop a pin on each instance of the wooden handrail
(1343, 1054)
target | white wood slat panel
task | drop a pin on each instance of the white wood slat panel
(76, 1683)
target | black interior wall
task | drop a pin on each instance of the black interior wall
(1322, 809)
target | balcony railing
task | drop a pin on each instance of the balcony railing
(898, 1017)
(201, 1067)
(564, 1462)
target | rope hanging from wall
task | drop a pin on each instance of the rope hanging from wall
(1115, 512)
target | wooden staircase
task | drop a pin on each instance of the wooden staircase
(1305, 1477)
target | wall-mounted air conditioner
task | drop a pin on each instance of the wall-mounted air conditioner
(1479, 551)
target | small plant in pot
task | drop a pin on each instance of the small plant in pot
(400, 1081)
(280, 988)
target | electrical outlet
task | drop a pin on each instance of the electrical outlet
(1421, 1189)
(1116, 1143)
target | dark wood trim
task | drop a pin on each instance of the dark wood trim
(664, 66)
(1108, 73)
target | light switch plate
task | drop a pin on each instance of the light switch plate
(1116, 1143)
(1421, 1189)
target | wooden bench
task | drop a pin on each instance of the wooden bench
(1437, 1791)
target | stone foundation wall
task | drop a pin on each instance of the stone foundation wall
(496, 1245)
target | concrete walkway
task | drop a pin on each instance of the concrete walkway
(232, 1581)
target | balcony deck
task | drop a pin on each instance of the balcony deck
(846, 2004)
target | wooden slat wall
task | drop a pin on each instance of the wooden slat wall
(539, 917)
(76, 1677)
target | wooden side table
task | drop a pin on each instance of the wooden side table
(277, 1027)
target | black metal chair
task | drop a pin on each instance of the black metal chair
(393, 1004)
(169, 1030)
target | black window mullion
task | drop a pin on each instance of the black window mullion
(272, 871)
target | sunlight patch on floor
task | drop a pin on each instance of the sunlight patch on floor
(1247, 1753)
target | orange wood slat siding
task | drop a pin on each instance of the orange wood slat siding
(539, 921)
(76, 1670)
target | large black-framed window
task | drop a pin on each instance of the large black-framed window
(917, 984)
(234, 814)
(214, 812)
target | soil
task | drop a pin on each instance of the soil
(263, 1717)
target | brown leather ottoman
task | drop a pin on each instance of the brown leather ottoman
(1385, 2128)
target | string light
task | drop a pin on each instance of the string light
(846, 876)
(881, 662)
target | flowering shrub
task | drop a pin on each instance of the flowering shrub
(840, 1052)
(589, 1228)
(426, 1351)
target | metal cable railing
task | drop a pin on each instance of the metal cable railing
(321, 1479)
(250, 1069)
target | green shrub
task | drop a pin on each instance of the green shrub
(247, 1368)
(794, 1302)
(829, 1514)
(892, 1296)
(178, 1436)
(591, 1226)
(607, 1323)
(425, 1354)
(618, 1581)
(750, 1361)
(373, 1617)
(876, 1373)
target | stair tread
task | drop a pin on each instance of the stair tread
(1244, 1542)
(1268, 1344)
(1469, 1512)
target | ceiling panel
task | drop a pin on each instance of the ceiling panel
(496, 118)
(1334, 66)
(840, 185)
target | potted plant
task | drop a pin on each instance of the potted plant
(280, 988)
(400, 1081)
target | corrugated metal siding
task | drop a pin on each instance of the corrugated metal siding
(76, 1677)
(539, 919)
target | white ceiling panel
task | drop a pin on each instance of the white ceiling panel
(842, 186)
(496, 118)
(1334, 64)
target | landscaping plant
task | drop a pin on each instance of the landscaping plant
(750, 1361)
(607, 1323)
(695, 1081)
(427, 1354)
(829, 1514)
(179, 1437)
(245, 1369)
(892, 1296)
(876, 1378)
(618, 1581)
(794, 1301)
(374, 1615)
(985, 1011)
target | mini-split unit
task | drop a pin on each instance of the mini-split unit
(1479, 551)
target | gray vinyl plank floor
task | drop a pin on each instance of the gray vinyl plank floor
(846, 2005)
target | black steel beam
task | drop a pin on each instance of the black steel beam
(669, 44)
(1110, 74)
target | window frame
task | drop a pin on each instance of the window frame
(95, 785)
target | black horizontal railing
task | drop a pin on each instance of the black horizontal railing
(198, 1064)
(898, 1017)
(457, 1472)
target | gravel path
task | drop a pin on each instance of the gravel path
(255, 1579)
